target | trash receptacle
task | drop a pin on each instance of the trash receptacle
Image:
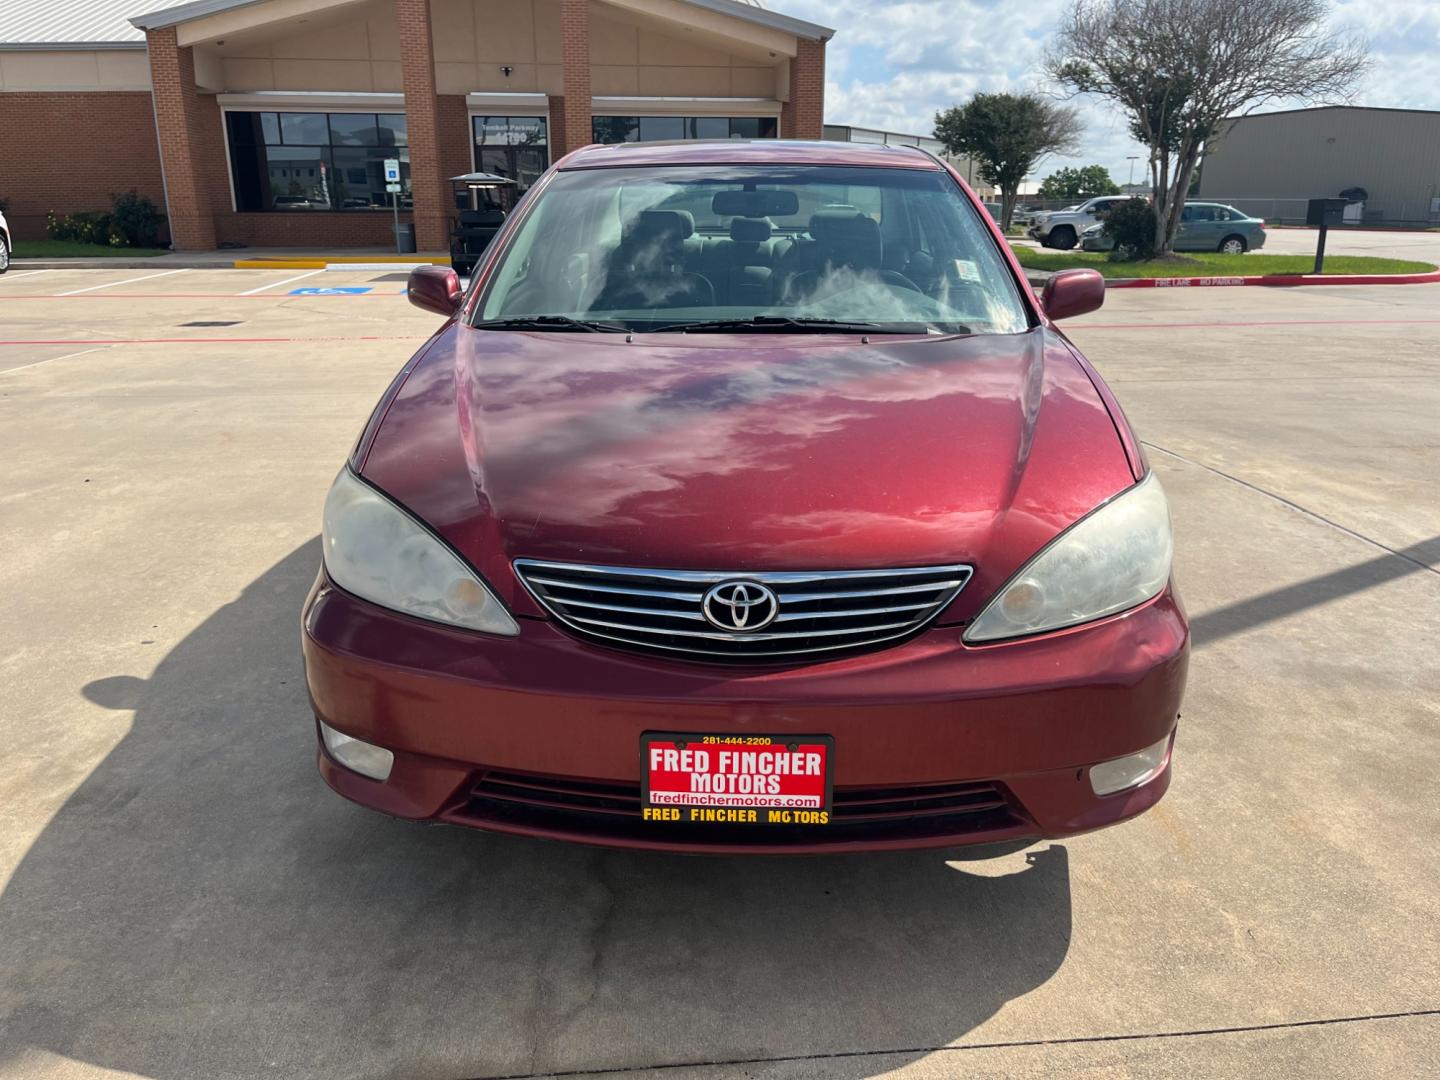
(405, 238)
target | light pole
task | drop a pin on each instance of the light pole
(1132, 159)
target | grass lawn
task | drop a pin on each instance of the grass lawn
(73, 249)
(1213, 264)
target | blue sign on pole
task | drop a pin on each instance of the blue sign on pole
(337, 290)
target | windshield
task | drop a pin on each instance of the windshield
(780, 246)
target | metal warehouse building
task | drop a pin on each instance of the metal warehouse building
(269, 122)
(1269, 164)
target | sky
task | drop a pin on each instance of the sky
(894, 65)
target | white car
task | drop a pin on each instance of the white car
(4, 245)
(1062, 228)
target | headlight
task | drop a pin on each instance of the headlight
(1114, 558)
(380, 553)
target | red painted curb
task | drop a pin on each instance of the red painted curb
(1431, 278)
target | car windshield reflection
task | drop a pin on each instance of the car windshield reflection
(884, 250)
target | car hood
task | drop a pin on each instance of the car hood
(748, 452)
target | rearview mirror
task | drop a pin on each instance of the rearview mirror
(755, 204)
(435, 288)
(1073, 292)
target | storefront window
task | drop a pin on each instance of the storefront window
(616, 129)
(660, 128)
(316, 161)
(513, 146)
(707, 127)
(304, 129)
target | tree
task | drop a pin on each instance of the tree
(1007, 135)
(1083, 183)
(1179, 68)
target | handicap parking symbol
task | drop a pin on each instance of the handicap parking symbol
(340, 290)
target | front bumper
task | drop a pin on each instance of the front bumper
(937, 743)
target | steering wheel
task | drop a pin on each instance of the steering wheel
(894, 277)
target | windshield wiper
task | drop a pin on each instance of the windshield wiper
(781, 324)
(550, 322)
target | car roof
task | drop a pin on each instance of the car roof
(748, 152)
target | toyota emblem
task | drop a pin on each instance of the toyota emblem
(743, 606)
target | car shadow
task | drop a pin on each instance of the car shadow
(203, 906)
(1312, 592)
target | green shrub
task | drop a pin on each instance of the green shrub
(1131, 224)
(135, 219)
(85, 227)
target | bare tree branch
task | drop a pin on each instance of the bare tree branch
(1180, 68)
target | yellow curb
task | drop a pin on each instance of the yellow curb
(435, 259)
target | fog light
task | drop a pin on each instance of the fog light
(365, 758)
(1127, 772)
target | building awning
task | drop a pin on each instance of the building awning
(773, 20)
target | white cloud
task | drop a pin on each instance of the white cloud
(894, 65)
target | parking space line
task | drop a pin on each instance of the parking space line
(214, 340)
(384, 295)
(67, 356)
(277, 284)
(127, 281)
(1294, 506)
(25, 273)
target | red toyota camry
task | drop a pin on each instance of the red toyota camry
(749, 501)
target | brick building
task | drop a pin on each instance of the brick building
(268, 122)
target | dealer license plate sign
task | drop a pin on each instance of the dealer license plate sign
(736, 779)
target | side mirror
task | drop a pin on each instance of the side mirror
(437, 289)
(1073, 292)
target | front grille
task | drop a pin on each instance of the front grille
(825, 611)
(603, 810)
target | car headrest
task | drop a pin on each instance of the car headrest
(849, 236)
(750, 230)
(669, 226)
(831, 221)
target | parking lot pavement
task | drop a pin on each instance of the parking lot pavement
(180, 896)
(1384, 243)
